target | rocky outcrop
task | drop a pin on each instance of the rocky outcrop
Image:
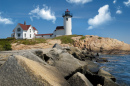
(101, 44)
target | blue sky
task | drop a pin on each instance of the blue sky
(105, 18)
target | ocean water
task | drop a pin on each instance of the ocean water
(119, 67)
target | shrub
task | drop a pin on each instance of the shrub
(91, 36)
(5, 45)
(99, 38)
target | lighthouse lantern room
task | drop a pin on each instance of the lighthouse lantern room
(67, 22)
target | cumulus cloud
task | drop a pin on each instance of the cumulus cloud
(127, 3)
(118, 12)
(79, 1)
(103, 16)
(114, 1)
(5, 20)
(44, 13)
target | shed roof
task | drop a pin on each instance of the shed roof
(59, 28)
(43, 34)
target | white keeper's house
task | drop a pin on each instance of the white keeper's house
(23, 31)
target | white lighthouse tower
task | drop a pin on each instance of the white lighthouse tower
(67, 22)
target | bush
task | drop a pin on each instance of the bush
(83, 37)
(99, 38)
(5, 45)
(91, 36)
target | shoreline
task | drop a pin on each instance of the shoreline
(118, 66)
(87, 67)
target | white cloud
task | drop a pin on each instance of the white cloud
(79, 1)
(118, 12)
(5, 20)
(114, 1)
(127, 3)
(44, 13)
(103, 16)
(90, 27)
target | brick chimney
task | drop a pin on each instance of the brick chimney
(24, 22)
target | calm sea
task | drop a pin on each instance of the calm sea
(119, 66)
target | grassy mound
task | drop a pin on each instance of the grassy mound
(30, 41)
(83, 37)
(66, 39)
(5, 44)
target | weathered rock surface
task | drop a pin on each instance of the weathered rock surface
(57, 46)
(109, 82)
(106, 75)
(92, 67)
(101, 44)
(81, 54)
(79, 79)
(20, 71)
(65, 62)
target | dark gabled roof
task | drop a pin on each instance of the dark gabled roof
(60, 28)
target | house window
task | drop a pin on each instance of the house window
(25, 35)
(66, 19)
(30, 35)
(18, 29)
(19, 34)
(30, 30)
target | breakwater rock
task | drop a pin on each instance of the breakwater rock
(55, 66)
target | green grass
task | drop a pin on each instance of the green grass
(66, 39)
(30, 41)
(5, 44)
(83, 37)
